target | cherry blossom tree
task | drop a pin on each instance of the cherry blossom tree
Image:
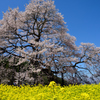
(26, 34)
(28, 29)
(72, 60)
(39, 35)
(88, 61)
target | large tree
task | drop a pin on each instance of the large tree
(27, 34)
(30, 29)
(39, 35)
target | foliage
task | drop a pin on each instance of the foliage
(50, 92)
(45, 79)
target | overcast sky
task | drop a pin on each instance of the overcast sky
(82, 17)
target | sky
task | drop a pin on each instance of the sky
(82, 17)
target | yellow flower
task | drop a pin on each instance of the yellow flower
(85, 96)
(62, 89)
(55, 98)
(52, 83)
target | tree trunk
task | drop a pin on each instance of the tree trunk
(62, 77)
